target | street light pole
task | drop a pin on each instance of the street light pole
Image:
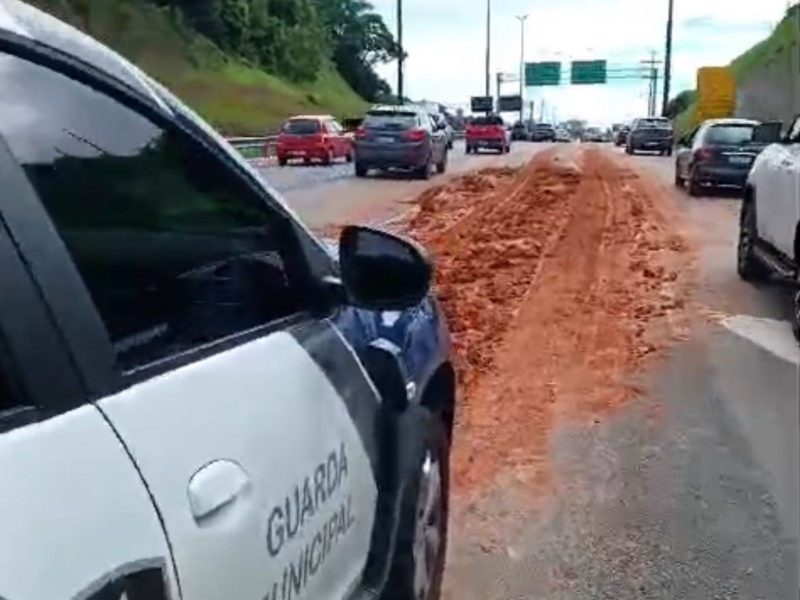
(522, 19)
(488, 44)
(668, 58)
(400, 92)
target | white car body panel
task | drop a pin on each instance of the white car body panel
(775, 176)
(264, 412)
(70, 492)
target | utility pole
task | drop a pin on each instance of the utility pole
(522, 19)
(651, 73)
(668, 58)
(499, 84)
(488, 43)
(400, 92)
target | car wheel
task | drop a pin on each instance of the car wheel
(361, 169)
(441, 166)
(422, 537)
(796, 313)
(469, 150)
(678, 178)
(450, 145)
(424, 172)
(328, 158)
(695, 189)
(747, 265)
(668, 151)
(628, 150)
(282, 161)
(349, 156)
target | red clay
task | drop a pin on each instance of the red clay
(561, 282)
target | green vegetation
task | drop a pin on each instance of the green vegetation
(245, 65)
(784, 34)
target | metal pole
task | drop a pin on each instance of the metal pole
(668, 58)
(488, 44)
(400, 91)
(499, 82)
(522, 19)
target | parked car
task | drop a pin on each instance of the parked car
(313, 137)
(621, 136)
(769, 227)
(198, 399)
(487, 132)
(441, 123)
(543, 132)
(520, 132)
(398, 137)
(718, 153)
(653, 134)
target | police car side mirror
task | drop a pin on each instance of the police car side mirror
(381, 271)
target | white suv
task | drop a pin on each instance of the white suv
(769, 232)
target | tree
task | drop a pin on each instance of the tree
(680, 103)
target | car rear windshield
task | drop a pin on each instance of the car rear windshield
(730, 135)
(653, 124)
(483, 121)
(390, 120)
(301, 127)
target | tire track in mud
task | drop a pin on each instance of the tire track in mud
(558, 284)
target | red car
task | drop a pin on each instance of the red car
(487, 132)
(313, 137)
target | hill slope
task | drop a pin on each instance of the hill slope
(753, 59)
(237, 97)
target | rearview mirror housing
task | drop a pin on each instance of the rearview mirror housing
(381, 271)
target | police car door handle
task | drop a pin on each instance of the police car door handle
(216, 487)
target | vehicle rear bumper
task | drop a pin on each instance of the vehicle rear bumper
(312, 152)
(651, 144)
(497, 143)
(403, 156)
(727, 176)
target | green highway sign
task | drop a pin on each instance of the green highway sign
(542, 73)
(586, 72)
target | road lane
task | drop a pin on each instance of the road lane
(323, 196)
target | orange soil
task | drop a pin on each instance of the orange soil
(560, 282)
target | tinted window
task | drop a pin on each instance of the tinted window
(391, 120)
(652, 123)
(482, 121)
(174, 251)
(301, 127)
(735, 135)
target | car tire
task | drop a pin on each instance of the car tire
(441, 166)
(678, 179)
(469, 150)
(628, 150)
(668, 151)
(796, 314)
(424, 172)
(361, 169)
(747, 265)
(695, 189)
(349, 157)
(450, 145)
(282, 161)
(328, 158)
(418, 565)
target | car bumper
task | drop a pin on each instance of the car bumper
(305, 153)
(486, 143)
(722, 176)
(402, 156)
(651, 144)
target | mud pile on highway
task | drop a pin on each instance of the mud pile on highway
(560, 282)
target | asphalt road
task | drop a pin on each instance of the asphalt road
(324, 196)
(689, 492)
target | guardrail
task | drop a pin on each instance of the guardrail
(254, 148)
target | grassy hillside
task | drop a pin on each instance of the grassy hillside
(237, 97)
(783, 36)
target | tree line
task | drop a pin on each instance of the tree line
(295, 38)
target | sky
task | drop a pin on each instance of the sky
(446, 44)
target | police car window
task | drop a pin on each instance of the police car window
(173, 249)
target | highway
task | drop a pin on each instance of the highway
(588, 464)
(323, 196)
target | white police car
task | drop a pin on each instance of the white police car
(196, 400)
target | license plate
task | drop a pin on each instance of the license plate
(385, 140)
(739, 160)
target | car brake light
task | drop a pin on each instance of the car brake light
(414, 135)
(703, 154)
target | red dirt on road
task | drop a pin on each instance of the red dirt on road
(560, 282)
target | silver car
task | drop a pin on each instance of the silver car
(399, 137)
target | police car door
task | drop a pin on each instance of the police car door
(248, 418)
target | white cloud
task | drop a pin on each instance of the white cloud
(445, 40)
